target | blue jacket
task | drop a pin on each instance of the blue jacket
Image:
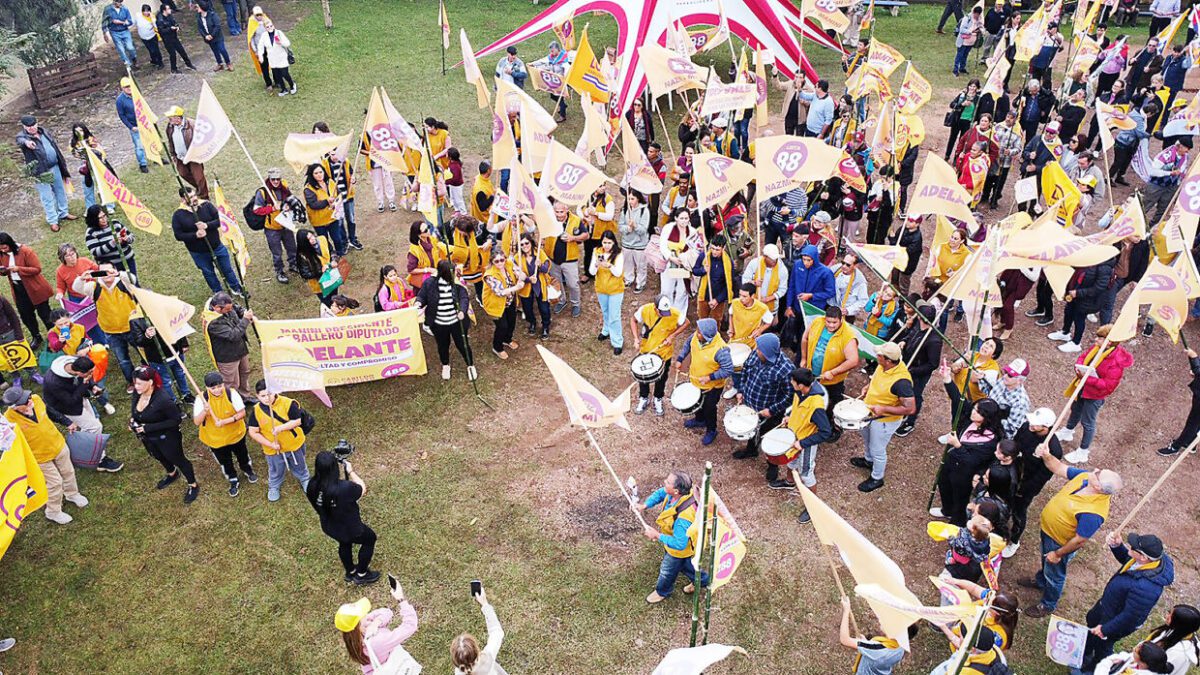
(1174, 70)
(1137, 133)
(678, 539)
(1129, 596)
(125, 111)
(817, 280)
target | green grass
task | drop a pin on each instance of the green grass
(140, 583)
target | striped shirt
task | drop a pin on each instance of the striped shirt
(447, 307)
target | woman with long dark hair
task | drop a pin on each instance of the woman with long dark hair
(423, 253)
(962, 113)
(1178, 638)
(369, 639)
(437, 133)
(608, 268)
(324, 206)
(971, 449)
(336, 503)
(535, 299)
(1002, 618)
(447, 309)
(392, 292)
(313, 256)
(155, 420)
(30, 289)
(108, 240)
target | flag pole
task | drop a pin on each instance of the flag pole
(611, 472)
(837, 577)
(703, 537)
(237, 268)
(1190, 449)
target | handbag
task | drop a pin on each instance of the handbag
(330, 280)
(291, 56)
(399, 662)
(948, 120)
(86, 448)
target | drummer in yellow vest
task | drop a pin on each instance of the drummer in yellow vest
(655, 326)
(770, 279)
(28, 413)
(220, 414)
(483, 194)
(829, 348)
(274, 421)
(675, 533)
(748, 319)
(709, 369)
(809, 420)
(1069, 520)
(889, 396)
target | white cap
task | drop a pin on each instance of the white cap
(771, 251)
(720, 122)
(822, 217)
(256, 11)
(1042, 417)
(664, 304)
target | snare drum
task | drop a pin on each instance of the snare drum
(741, 422)
(648, 368)
(685, 398)
(777, 443)
(739, 352)
(676, 273)
(851, 414)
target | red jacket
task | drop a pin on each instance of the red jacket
(1108, 373)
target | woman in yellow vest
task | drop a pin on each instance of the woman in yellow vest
(483, 193)
(221, 416)
(114, 304)
(466, 251)
(438, 135)
(951, 255)
(675, 533)
(882, 309)
(27, 412)
(275, 422)
(500, 285)
(600, 217)
(424, 252)
(889, 396)
(709, 369)
(324, 207)
(314, 257)
(965, 381)
(1001, 618)
(412, 167)
(654, 327)
(534, 294)
(608, 268)
(392, 293)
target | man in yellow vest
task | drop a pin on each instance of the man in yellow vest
(564, 254)
(829, 349)
(275, 422)
(483, 194)
(710, 367)
(749, 318)
(1069, 520)
(889, 396)
(770, 279)
(674, 523)
(28, 413)
(655, 328)
(114, 303)
(221, 415)
(809, 420)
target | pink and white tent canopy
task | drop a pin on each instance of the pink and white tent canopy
(766, 24)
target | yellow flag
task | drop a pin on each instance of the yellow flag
(915, 91)
(1162, 289)
(1058, 189)
(595, 129)
(535, 138)
(1104, 123)
(525, 198)
(1086, 53)
(569, 178)
(212, 128)
(721, 97)
(112, 190)
(1031, 34)
(444, 24)
(23, 480)
(1047, 243)
(1189, 276)
(718, 177)
(731, 548)
(945, 614)
(585, 74)
(884, 137)
(720, 33)
(169, 314)
(471, 69)
(639, 174)
(147, 132)
(883, 58)
(667, 71)
(761, 111)
(827, 13)
(1167, 35)
(938, 191)
(994, 86)
(1124, 328)
(231, 232)
(504, 146)
(1127, 221)
(880, 257)
(586, 406)
(301, 150)
(784, 163)
(565, 32)
(386, 149)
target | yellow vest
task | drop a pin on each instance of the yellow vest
(437, 143)
(879, 392)
(320, 217)
(485, 186)
(1060, 513)
(962, 377)
(113, 308)
(835, 349)
(744, 320)
(219, 437)
(767, 294)
(702, 292)
(704, 361)
(800, 419)
(1091, 354)
(349, 171)
(466, 252)
(600, 226)
(45, 440)
(874, 325)
(573, 227)
(949, 261)
(608, 283)
(275, 415)
(666, 523)
(324, 255)
(543, 278)
(494, 304)
(275, 207)
(661, 328)
(74, 340)
(423, 260)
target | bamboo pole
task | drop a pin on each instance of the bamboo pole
(703, 509)
(1191, 448)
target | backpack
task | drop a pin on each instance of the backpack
(997, 667)
(253, 220)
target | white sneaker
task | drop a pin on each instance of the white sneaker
(944, 439)
(1059, 336)
(1069, 348)
(658, 409)
(1010, 550)
(1079, 456)
(78, 500)
(61, 517)
(1093, 318)
(109, 409)
(641, 406)
(1065, 434)
(936, 512)
(445, 372)
(729, 393)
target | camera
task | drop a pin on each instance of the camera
(343, 450)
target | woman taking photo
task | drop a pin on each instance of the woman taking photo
(324, 207)
(30, 289)
(468, 657)
(500, 286)
(966, 380)
(1001, 618)
(336, 503)
(608, 268)
(392, 293)
(447, 310)
(535, 299)
(469, 249)
(313, 258)
(155, 420)
(962, 114)
(369, 639)
(109, 241)
(423, 253)
(969, 451)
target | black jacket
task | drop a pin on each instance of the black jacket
(1090, 284)
(183, 223)
(427, 297)
(227, 335)
(153, 348)
(913, 243)
(921, 363)
(65, 393)
(1031, 471)
(35, 159)
(9, 323)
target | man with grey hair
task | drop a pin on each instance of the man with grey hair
(678, 514)
(1069, 520)
(230, 345)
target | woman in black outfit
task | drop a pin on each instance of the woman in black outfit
(336, 503)
(155, 419)
(969, 451)
(447, 310)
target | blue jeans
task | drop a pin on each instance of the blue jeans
(166, 371)
(876, 436)
(351, 224)
(218, 49)
(335, 233)
(670, 570)
(123, 41)
(1052, 578)
(279, 464)
(205, 262)
(89, 196)
(54, 197)
(1085, 410)
(137, 147)
(610, 309)
(960, 59)
(119, 344)
(231, 18)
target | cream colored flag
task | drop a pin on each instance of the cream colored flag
(884, 58)
(212, 128)
(471, 70)
(1188, 275)
(639, 174)
(784, 163)
(883, 259)
(1124, 328)
(941, 234)
(826, 12)
(1045, 242)
(938, 191)
(301, 150)
(504, 145)
(694, 660)
(146, 119)
(169, 314)
(386, 149)
(997, 74)
(1162, 289)
(721, 97)
(586, 406)
(721, 34)
(1127, 221)
(595, 129)
(946, 614)
(535, 139)
(516, 98)
(718, 177)
(525, 198)
(761, 111)
(679, 41)
(401, 129)
(569, 178)
(1031, 34)
(915, 91)
(667, 71)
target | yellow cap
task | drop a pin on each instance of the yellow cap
(175, 111)
(126, 82)
(939, 531)
(349, 614)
